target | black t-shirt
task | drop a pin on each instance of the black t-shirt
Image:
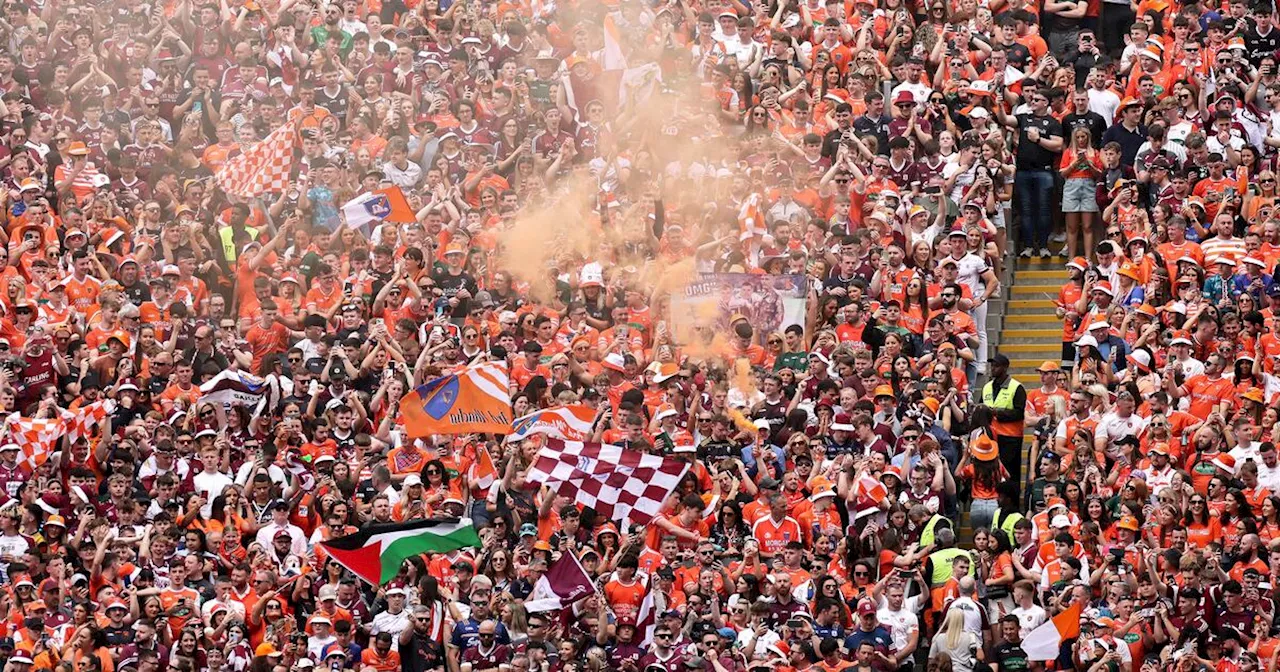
(450, 284)
(1059, 22)
(1261, 45)
(1031, 155)
(335, 104)
(1010, 657)
(422, 654)
(138, 293)
(712, 450)
(118, 637)
(1017, 54)
(879, 127)
(1090, 120)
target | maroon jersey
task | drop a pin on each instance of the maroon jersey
(481, 660)
(672, 663)
(11, 478)
(903, 175)
(35, 375)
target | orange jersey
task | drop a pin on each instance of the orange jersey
(773, 535)
(83, 294)
(625, 598)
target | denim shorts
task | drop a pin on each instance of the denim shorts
(1080, 194)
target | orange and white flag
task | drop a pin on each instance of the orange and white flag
(482, 473)
(870, 493)
(612, 57)
(1045, 642)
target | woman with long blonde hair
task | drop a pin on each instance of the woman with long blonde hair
(953, 640)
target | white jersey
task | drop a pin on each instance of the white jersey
(901, 624)
(1029, 619)
(970, 269)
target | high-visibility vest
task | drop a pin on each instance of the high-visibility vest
(1004, 402)
(942, 565)
(930, 528)
(229, 250)
(1006, 523)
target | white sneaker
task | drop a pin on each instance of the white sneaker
(1025, 253)
(1044, 253)
(1060, 237)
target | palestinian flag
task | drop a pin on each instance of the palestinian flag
(376, 552)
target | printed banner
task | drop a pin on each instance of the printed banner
(770, 303)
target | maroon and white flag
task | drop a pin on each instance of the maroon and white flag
(622, 485)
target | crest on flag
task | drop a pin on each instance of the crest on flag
(439, 400)
(378, 206)
(476, 399)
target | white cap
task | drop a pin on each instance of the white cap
(1087, 340)
(1101, 324)
(1060, 521)
(412, 480)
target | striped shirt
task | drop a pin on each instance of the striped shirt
(1218, 246)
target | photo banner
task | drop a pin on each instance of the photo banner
(770, 303)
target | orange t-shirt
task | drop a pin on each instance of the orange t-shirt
(169, 598)
(1207, 394)
(625, 598)
(1200, 534)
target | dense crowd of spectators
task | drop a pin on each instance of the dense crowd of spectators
(856, 496)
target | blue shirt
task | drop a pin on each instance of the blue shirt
(467, 633)
(879, 638)
(834, 631)
(324, 212)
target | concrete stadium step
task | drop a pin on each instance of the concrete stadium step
(1045, 336)
(1035, 291)
(1038, 350)
(1032, 319)
(1030, 363)
(1041, 264)
(1024, 306)
(1041, 274)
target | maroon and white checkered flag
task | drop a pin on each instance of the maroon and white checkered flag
(622, 485)
(264, 168)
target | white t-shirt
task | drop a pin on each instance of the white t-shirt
(392, 623)
(975, 615)
(1029, 619)
(1105, 103)
(901, 623)
(1113, 427)
(209, 485)
(970, 269)
(276, 474)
